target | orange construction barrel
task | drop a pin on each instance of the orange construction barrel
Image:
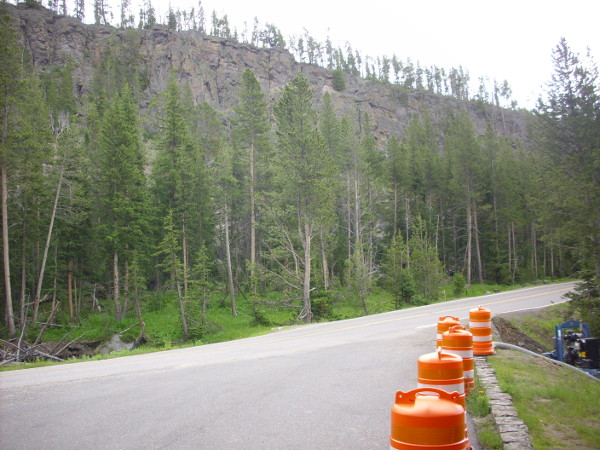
(433, 421)
(444, 324)
(444, 371)
(480, 326)
(459, 341)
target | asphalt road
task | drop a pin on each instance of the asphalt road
(321, 386)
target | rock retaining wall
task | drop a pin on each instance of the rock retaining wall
(513, 432)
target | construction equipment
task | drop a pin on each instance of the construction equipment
(574, 345)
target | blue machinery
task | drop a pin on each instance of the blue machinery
(573, 345)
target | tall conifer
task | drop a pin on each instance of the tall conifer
(251, 129)
(304, 174)
(121, 186)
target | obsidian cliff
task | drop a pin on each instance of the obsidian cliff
(212, 68)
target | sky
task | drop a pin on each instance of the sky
(503, 40)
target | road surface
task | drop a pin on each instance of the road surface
(320, 386)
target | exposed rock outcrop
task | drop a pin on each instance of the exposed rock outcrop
(212, 67)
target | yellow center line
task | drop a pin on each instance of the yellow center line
(516, 298)
(397, 319)
(243, 343)
(352, 327)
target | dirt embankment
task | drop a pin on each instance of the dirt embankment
(505, 330)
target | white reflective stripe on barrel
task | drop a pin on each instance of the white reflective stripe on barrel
(462, 353)
(480, 324)
(469, 374)
(460, 388)
(482, 338)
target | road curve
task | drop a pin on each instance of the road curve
(320, 386)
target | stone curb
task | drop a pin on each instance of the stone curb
(513, 432)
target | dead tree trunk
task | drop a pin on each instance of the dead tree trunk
(116, 282)
(252, 214)
(230, 286)
(10, 319)
(70, 288)
(306, 313)
(468, 252)
(184, 245)
(477, 249)
(38, 290)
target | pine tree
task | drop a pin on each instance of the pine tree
(180, 181)
(121, 186)
(101, 11)
(396, 271)
(425, 266)
(358, 278)
(304, 174)
(398, 172)
(11, 85)
(173, 168)
(227, 190)
(338, 139)
(126, 16)
(80, 9)
(74, 235)
(25, 150)
(169, 250)
(201, 280)
(568, 132)
(251, 129)
(465, 165)
(339, 82)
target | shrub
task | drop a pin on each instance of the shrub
(458, 284)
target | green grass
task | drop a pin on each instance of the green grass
(478, 403)
(560, 407)
(478, 407)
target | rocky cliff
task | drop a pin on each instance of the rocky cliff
(213, 67)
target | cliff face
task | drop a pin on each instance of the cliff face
(212, 67)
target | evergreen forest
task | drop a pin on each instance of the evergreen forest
(279, 212)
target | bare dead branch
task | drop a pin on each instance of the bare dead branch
(45, 299)
(53, 351)
(21, 337)
(9, 343)
(65, 346)
(129, 328)
(50, 317)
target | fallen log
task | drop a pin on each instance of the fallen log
(46, 355)
(23, 351)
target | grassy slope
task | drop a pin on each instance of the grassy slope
(163, 326)
(560, 407)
